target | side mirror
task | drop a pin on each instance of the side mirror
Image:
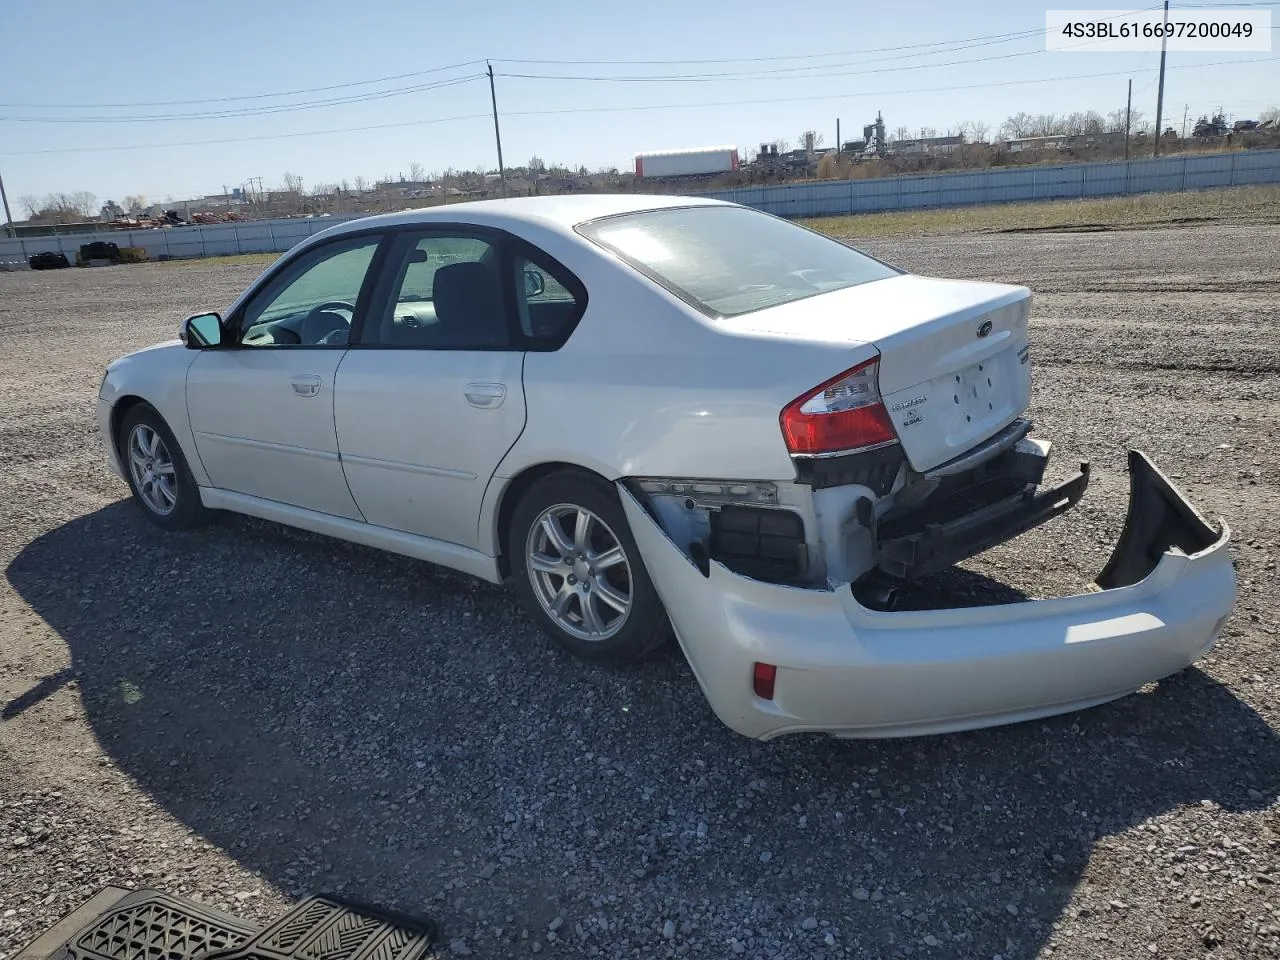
(534, 284)
(201, 330)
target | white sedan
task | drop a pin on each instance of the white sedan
(655, 413)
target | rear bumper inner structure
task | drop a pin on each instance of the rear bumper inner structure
(922, 548)
(850, 671)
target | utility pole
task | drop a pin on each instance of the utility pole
(497, 135)
(1128, 115)
(8, 217)
(1164, 46)
(838, 150)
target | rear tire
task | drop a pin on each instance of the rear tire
(579, 573)
(157, 471)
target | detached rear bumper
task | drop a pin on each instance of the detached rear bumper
(852, 672)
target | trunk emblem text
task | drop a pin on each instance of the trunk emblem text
(903, 405)
(985, 328)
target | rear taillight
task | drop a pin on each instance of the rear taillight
(843, 414)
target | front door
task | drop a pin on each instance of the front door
(261, 408)
(430, 396)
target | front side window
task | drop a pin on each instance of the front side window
(313, 301)
(727, 260)
(446, 292)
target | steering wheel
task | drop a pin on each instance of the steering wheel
(319, 329)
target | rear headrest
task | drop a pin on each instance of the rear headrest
(468, 304)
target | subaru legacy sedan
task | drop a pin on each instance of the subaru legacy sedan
(663, 416)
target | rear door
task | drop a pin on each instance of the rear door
(430, 397)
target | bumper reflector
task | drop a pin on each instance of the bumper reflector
(762, 679)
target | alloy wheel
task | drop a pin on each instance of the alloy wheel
(152, 469)
(580, 572)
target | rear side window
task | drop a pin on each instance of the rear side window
(727, 261)
(549, 300)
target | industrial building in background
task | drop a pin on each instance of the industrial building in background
(873, 144)
(692, 162)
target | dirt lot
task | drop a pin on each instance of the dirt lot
(244, 714)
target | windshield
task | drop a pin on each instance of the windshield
(728, 261)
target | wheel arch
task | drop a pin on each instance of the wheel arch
(512, 492)
(120, 409)
(126, 400)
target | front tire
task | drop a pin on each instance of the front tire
(579, 573)
(157, 471)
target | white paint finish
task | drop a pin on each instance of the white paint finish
(103, 416)
(652, 387)
(853, 672)
(156, 375)
(257, 435)
(417, 452)
(394, 541)
(926, 331)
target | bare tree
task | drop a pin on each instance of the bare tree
(360, 184)
(928, 132)
(1019, 125)
(900, 134)
(84, 202)
(292, 182)
(1047, 125)
(61, 207)
(135, 204)
(536, 165)
(1269, 115)
(417, 173)
(1137, 121)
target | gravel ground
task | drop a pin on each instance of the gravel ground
(245, 714)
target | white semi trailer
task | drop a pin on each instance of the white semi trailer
(686, 163)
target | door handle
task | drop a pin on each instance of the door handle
(306, 385)
(487, 396)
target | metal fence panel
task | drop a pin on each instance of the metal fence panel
(818, 198)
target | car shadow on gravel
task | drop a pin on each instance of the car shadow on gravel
(340, 719)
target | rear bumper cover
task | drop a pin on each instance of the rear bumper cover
(853, 672)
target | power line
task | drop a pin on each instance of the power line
(876, 93)
(952, 46)
(998, 37)
(267, 136)
(256, 111)
(249, 96)
(625, 109)
(825, 70)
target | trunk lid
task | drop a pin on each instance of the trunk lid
(954, 364)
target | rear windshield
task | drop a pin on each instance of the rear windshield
(728, 261)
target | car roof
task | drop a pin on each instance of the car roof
(558, 212)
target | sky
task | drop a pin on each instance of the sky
(101, 96)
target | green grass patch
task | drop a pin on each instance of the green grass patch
(1245, 205)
